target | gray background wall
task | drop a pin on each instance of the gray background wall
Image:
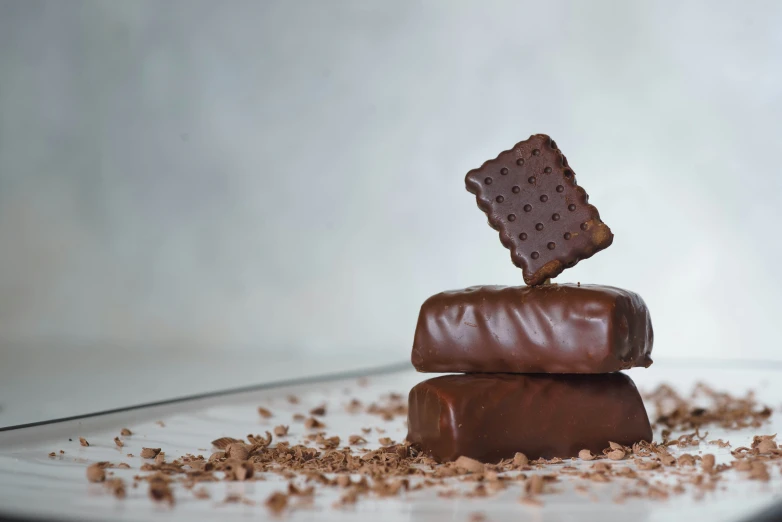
(287, 177)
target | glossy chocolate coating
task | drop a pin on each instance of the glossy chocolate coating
(491, 417)
(542, 329)
(530, 195)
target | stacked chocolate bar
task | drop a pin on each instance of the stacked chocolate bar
(538, 365)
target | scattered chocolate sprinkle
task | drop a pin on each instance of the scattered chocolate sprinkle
(125, 432)
(52, 454)
(293, 399)
(123, 465)
(118, 442)
(83, 442)
(149, 453)
(385, 441)
(263, 412)
(356, 439)
(281, 431)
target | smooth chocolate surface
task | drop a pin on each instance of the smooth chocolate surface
(491, 417)
(543, 329)
(530, 195)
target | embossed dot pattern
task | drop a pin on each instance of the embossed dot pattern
(530, 195)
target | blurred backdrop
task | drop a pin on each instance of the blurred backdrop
(206, 180)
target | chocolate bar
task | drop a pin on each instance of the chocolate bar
(491, 417)
(545, 329)
(530, 195)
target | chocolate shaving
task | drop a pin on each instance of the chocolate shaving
(95, 473)
(320, 410)
(149, 453)
(83, 442)
(125, 432)
(263, 412)
(312, 423)
(281, 431)
(118, 442)
(224, 442)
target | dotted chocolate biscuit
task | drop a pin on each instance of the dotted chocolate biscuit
(530, 195)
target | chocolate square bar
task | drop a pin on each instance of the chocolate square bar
(542, 329)
(530, 195)
(491, 417)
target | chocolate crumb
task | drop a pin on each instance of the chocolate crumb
(95, 473)
(238, 451)
(707, 462)
(469, 465)
(159, 489)
(160, 423)
(585, 454)
(477, 517)
(149, 453)
(520, 459)
(263, 412)
(201, 494)
(386, 441)
(617, 454)
(224, 442)
(52, 454)
(281, 431)
(125, 432)
(320, 410)
(277, 502)
(118, 442)
(312, 423)
(356, 439)
(293, 399)
(83, 442)
(117, 487)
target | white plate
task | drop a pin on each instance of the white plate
(35, 485)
